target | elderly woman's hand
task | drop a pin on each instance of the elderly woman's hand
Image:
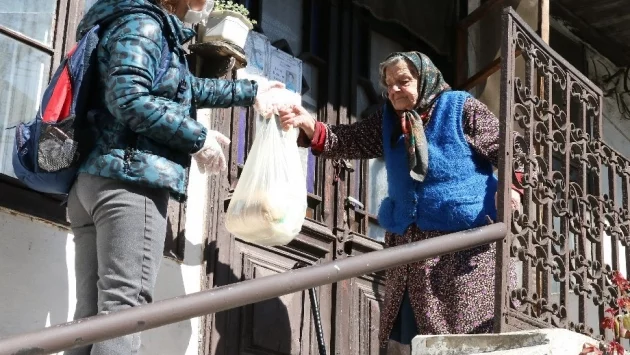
(297, 116)
(515, 200)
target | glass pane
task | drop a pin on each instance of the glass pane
(308, 159)
(378, 184)
(363, 101)
(33, 18)
(318, 9)
(376, 232)
(23, 77)
(377, 176)
(362, 104)
(309, 100)
(310, 73)
(380, 48)
(282, 19)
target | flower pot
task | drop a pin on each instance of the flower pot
(227, 26)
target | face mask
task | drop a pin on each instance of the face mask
(194, 17)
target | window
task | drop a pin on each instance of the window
(310, 102)
(374, 42)
(32, 37)
(34, 34)
(280, 23)
(25, 60)
(380, 48)
(299, 36)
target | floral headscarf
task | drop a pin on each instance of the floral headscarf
(430, 85)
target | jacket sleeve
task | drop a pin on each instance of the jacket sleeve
(223, 93)
(481, 129)
(134, 58)
(359, 140)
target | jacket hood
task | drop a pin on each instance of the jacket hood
(104, 11)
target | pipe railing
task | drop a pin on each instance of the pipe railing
(102, 327)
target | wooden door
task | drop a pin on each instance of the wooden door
(340, 43)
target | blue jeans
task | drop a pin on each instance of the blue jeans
(119, 230)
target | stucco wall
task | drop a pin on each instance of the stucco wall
(37, 276)
(37, 284)
(484, 43)
(598, 70)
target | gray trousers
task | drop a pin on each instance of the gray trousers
(119, 230)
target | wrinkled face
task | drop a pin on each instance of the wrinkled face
(402, 86)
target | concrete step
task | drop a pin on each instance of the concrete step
(531, 342)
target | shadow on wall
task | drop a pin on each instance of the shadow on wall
(33, 275)
(174, 339)
(37, 284)
(261, 328)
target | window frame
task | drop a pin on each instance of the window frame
(15, 195)
(312, 32)
(364, 23)
(330, 200)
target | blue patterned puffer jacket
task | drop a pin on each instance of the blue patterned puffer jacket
(142, 131)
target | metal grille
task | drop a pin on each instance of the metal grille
(57, 148)
(573, 227)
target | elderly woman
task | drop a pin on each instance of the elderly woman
(439, 147)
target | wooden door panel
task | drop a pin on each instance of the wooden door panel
(283, 325)
(274, 326)
(358, 303)
(367, 297)
(366, 308)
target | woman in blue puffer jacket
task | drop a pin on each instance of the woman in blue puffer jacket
(144, 132)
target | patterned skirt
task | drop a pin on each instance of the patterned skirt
(451, 294)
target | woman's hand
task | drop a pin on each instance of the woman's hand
(210, 158)
(264, 87)
(272, 95)
(515, 200)
(297, 116)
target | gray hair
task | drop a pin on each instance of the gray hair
(168, 5)
(393, 60)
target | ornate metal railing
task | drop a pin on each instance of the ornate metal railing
(573, 227)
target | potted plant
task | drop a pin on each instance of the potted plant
(228, 22)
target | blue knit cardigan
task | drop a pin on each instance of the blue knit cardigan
(458, 191)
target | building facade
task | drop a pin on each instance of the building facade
(339, 45)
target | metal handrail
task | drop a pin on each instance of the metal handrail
(102, 327)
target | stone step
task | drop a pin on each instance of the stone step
(531, 342)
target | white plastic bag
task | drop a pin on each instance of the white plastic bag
(269, 203)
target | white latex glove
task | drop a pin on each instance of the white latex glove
(210, 157)
(267, 89)
(266, 85)
(274, 100)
